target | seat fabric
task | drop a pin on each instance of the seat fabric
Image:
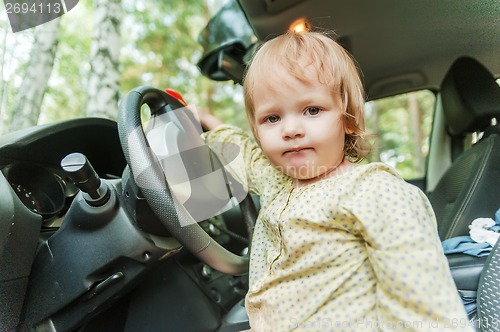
(488, 300)
(470, 188)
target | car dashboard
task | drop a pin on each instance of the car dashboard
(73, 262)
(30, 161)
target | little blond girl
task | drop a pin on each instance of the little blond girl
(337, 246)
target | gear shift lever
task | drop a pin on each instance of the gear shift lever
(79, 169)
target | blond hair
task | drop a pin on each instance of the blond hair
(334, 67)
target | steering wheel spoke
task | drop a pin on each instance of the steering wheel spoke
(180, 178)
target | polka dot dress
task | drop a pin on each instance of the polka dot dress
(357, 251)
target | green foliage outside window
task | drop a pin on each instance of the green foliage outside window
(400, 129)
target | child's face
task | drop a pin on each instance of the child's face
(300, 126)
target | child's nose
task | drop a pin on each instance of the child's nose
(292, 128)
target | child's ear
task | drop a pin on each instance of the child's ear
(347, 129)
(347, 121)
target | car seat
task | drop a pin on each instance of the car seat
(470, 188)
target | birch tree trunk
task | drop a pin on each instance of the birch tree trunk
(3, 84)
(104, 81)
(29, 99)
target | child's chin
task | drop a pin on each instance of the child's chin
(300, 174)
(301, 171)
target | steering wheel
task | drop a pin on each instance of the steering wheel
(149, 176)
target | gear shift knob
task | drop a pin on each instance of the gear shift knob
(79, 169)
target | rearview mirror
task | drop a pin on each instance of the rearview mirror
(226, 40)
(225, 63)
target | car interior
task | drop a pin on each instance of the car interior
(83, 248)
(462, 170)
(466, 191)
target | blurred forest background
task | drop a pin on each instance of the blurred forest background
(115, 45)
(81, 65)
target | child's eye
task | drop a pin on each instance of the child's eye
(312, 110)
(272, 119)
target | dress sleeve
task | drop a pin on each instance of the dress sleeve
(240, 155)
(415, 289)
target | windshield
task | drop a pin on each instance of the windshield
(83, 59)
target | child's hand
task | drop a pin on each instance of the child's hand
(207, 120)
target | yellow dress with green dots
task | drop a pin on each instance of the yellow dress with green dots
(357, 251)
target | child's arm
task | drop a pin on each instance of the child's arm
(414, 283)
(207, 120)
(241, 154)
(236, 149)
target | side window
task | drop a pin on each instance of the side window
(400, 127)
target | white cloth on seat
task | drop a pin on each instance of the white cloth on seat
(480, 232)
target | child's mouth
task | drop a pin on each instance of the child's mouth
(296, 150)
